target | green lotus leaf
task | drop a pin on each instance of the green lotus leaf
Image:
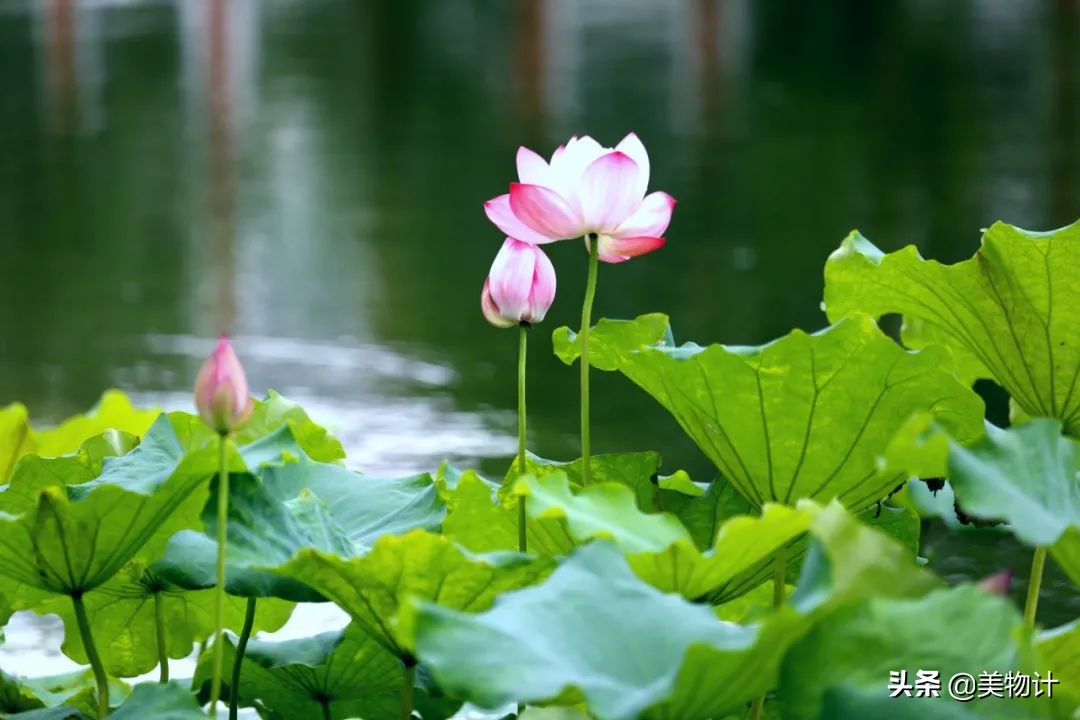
(1058, 650)
(418, 565)
(637, 470)
(553, 713)
(1066, 553)
(659, 548)
(63, 712)
(79, 533)
(16, 438)
(1008, 313)
(776, 434)
(1028, 476)
(339, 674)
(123, 619)
(113, 412)
(482, 519)
(290, 506)
(962, 629)
(168, 701)
(75, 691)
(275, 412)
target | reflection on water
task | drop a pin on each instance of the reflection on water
(309, 176)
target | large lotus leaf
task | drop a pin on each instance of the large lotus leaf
(168, 701)
(76, 691)
(16, 438)
(277, 411)
(291, 506)
(594, 627)
(637, 470)
(1028, 476)
(957, 630)
(1008, 313)
(62, 712)
(805, 416)
(482, 519)
(123, 619)
(1066, 553)
(340, 674)
(596, 631)
(418, 565)
(1058, 651)
(78, 535)
(659, 548)
(113, 411)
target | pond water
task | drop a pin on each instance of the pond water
(308, 176)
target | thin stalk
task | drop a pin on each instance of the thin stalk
(162, 649)
(779, 582)
(1031, 606)
(586, 321)
(326, 709)
(779, 576)
(219, 594)
(241, 646)
(409, 678)
(523, 542)
(92, 655)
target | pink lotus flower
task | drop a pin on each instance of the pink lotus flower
(221, 390)
(586, 189)
(520, 286)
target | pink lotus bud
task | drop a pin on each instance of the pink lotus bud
(221, 390)
(520, 286)
(997, 584)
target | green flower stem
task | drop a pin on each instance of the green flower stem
(523, 542)
(219, 594)
(92, 654)
(779, 576)
(326, 709)
(586, 321)
(1031, 606)
(779, 583)
(241, 646)
(162, 648)
(408, 680)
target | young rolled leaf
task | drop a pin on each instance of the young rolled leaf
(841, 668)
(1028, 476)
(123, 619)
(418, 565)
(287, 507)
(805, 416)
(1009, 313)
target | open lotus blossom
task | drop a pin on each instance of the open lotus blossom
(586, 189)
(520, 286)
(221, 390)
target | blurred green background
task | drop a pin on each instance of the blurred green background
(309, 176)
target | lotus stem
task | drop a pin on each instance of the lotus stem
(523, 542)
(92, 654)
(219, 595)
(238, 661)
(1031, 605)
(408, 673)
(162, 648)
(325, 703)
(779, 583)
(779, 576)
(586, 321)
